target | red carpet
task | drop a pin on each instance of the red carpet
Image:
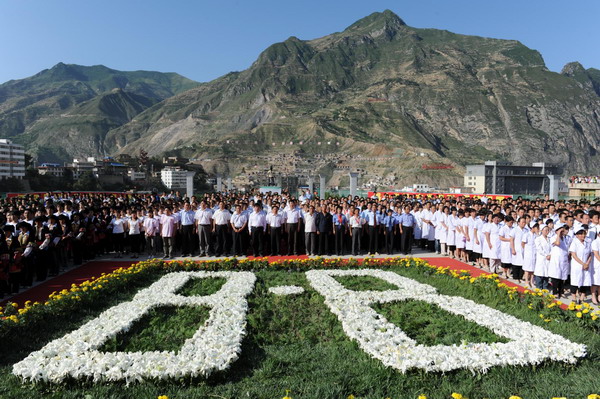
(82, 273)
(95, 268)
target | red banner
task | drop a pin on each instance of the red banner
(66, 193)
(379, 195)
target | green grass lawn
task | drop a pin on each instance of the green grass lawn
(295, 343)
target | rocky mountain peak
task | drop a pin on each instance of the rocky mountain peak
(572, 69)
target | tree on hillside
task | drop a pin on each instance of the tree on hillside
(86, 182)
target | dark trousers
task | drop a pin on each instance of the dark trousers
(134, 240)
(517, 272)
(118, 241)
(407, 238)
(339, 240)
(356, 233)
(168, 244)
(275, 240)
(310, 243)
(389, 241)
(292, 231)
(323, 243)
(557, 286)
(256, 234)
(152, 244)
(373, 230)
(238, 248)
(187, 239)
(204, 238)
(221, 233)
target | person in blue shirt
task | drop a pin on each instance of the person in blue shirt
(389, 224)
(407, 225)
(340, 225)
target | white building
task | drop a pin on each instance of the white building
(12, 160)
(51, 169)
(134, 175)
(173, 178)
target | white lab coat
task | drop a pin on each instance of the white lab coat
(529, 252)
(505, 251)
(494, 230)
(595, 265)
(517, 234)
(580, 277)
(558, 267)
(543, 248)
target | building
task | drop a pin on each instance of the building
(134, 175)
(495, 177)
(584, 187)
(80, 166)
(51, 169)
(173, 178)
(12, 160)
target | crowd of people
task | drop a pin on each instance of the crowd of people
(584, 179)
(542, 243)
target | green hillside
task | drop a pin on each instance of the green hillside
(379, 88)
(78, 102)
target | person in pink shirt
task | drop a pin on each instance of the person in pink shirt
(168, 228)
(152, 230)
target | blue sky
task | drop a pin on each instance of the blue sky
(206, 39)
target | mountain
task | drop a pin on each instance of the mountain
(398, 103)
(67, 110)
(401, 96)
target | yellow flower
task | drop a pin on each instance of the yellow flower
(287, 394)
(457, 396)
(571, 306)
(585, 311)
(594, 317)
(579, 314)
(163, 397)
(422, 397)
(593, 396)
(350, 396)
(515, 397)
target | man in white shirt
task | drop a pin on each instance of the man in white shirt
(274, 222)
(221, 220)
(356, 223)
(257, 222)
(239, 221)
(310, 231)
(204, 223)
(292, 216)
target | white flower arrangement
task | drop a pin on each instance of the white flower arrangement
(218, 342)
(286, 290)
(385, 341)
(213, 347)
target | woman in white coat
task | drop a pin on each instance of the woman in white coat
(460, 236)
(506, 252)
(558, 267)
(516, 243)
(596, 270)
(581, 258)
(452, 221)
(529, 252)
(443, 227)
(543, 247)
